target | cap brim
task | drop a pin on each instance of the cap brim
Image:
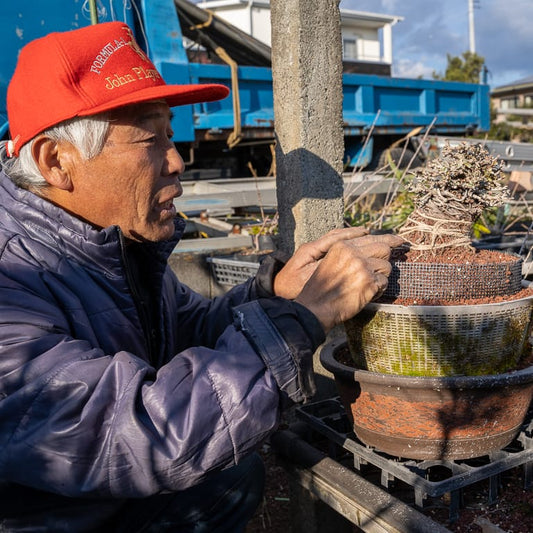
(175, 95)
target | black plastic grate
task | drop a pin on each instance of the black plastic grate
(328, 418)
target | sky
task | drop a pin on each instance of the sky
(431, 29)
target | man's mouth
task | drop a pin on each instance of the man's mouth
(167, 208)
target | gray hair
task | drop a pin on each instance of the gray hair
(87, 134)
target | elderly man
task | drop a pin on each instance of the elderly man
(127, 401)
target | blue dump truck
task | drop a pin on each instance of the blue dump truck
(220, 139)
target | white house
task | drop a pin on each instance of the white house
(366, 37)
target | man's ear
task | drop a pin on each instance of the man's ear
(51, 156)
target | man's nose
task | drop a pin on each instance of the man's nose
(175, 162)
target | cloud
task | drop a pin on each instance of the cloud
(407, 68)
(431, 30)
(503, 37)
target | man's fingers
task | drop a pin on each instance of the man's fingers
(379, 266)
(324, 243)
(380, 250)
(381, 281)
(356, 236)
(347, 233)
(389, 239)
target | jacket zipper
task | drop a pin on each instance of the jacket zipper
(139, 305)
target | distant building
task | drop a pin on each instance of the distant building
(514, 102)
(366, 37)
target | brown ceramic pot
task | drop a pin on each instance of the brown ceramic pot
(431, 417)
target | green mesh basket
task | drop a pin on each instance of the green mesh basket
(440, 340)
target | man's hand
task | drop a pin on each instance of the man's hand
(337, 275)
(291, 279)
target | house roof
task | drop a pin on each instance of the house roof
(522, 83)
(364, 16)
(209, 4)
(211, 33)
(370, 19)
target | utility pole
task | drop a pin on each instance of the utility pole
(471, 29)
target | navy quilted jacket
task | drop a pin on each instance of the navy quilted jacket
(89, 406)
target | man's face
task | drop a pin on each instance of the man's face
(133, 181)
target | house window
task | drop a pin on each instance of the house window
(509, 103)
(349, 49)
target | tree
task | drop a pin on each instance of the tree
(466, 69)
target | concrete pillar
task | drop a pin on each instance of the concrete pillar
(307, 73)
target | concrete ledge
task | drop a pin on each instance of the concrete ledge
(362, 503)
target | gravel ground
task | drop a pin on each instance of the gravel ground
(273, 516)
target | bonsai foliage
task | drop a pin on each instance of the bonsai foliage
(449, 195)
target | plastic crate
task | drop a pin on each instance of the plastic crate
(228, 271)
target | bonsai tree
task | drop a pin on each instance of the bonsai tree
(449, 195)
(435, 317)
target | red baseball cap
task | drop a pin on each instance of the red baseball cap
(84, 72)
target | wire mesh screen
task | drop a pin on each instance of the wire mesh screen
(448, 281)
(439, 340)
